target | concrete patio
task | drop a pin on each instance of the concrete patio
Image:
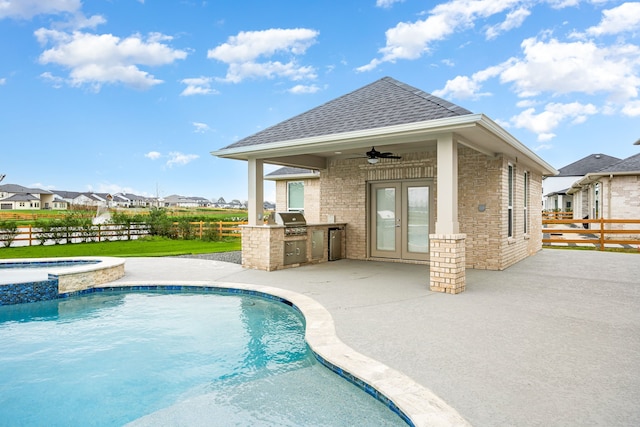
(553, 340)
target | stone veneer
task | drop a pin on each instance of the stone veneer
(106, 271)
(61, 280)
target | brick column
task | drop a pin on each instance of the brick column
(447, 263)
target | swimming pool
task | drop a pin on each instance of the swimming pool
(152, 358)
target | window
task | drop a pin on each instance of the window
(510, 173)
(295, 196)
(526, 202)
(596, 200)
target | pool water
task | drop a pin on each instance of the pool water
(152, 358)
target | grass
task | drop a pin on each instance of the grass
(149, 247)
(592, 248)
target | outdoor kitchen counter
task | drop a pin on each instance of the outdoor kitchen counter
(274, 246)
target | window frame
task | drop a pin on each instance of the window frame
(526, 194)
(510, 199)
(289, 187)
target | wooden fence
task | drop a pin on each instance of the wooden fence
(556, 215)
(106, 232)
(598, 232)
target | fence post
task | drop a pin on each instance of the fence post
(602, 233)
(201, 224)
(99, 232)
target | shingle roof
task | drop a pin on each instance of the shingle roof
(21, 198)
(630, 164)
(591, 163)
(385, 102)
(19, 189)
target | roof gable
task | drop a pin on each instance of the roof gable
(385, 102)
(591, 163)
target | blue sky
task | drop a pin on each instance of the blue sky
(133, 95)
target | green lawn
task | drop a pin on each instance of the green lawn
(131, 248)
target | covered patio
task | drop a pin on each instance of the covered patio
(466, 164)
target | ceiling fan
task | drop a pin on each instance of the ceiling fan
(374, 155)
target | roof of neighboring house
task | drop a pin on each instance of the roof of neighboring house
(589, 164)
(561, 192)
(19, 189)
(131, 196)
(68, 194)
(20, 198)
(291, 172)
(630, 164)
(385, 102)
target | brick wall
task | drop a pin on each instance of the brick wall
(624, 199)
(344, 191)
(483, 180)
(311, 198)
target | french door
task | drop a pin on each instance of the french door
(401, 220)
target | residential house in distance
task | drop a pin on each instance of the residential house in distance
(297, 190)
(176, 200)
(14, 196)
(133, 200)
(555, 188)
(407, 177)
(612, 192)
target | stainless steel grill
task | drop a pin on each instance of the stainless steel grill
(294, 222)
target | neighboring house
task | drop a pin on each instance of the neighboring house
(465, 193)
(611, 193)
(14, 196)
(133, 200)
(185, 202)
(554, 188)
(297, 190)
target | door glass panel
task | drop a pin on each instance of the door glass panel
(386, 219)
(418, 219)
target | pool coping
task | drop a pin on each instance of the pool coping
(416, 404)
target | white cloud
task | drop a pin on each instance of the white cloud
(97, 59)
(554, 114)
(200, 127)
(411, 40)
(543, 147)
(242, 52)
(579, 67)
(106, 187)
(153, 155)
(3, 81)
(387, 3)
(299, 89)
(513, 20)
(55, 81)
(177, 158)
(27, 9)
(198, 86)
(631, 109)
(463, 87)
(556, 67)
(624, 18)
(460, 87)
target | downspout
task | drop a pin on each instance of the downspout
(609, 196)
